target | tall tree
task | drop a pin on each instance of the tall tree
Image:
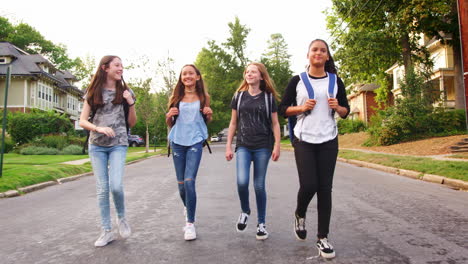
(362, 30)
(276, 59)
(222, 69)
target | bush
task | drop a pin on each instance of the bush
(346, 126)
(33, 150)
(54, 141)
(74, 140)
(72, 150)
(23, 127)
(9, 144)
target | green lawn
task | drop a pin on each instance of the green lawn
(450, 169)
(23, 170)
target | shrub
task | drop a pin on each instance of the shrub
(74, 140)
(23, 127)
(33, 150)
(72, 150)
(54, 141)
(9, 144)
(346, 126)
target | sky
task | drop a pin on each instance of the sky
(175, 28)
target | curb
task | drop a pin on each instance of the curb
(452, 183)
(38, 186)
(42, 185)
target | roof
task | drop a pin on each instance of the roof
(24, 64)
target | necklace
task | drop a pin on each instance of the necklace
(189, 91)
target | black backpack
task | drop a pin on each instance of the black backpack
(205, 143)
(126, 108)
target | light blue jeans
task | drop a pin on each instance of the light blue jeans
(186, 162)
(108, 166)
(260, 159)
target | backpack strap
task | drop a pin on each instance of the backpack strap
(239, 98)
(331, 85)
(305, 79)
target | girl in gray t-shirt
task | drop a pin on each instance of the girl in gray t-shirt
(110, 104)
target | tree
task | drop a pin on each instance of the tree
(276, 60)
(377, 31)
(84, 69)
(222, 68)
(145, 105)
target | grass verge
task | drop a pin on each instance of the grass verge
(450, 169)
(24, 170)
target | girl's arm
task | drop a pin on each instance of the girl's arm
(132, 118)
(173, 111)
(207, 110)
(231, 131)
(277, 134)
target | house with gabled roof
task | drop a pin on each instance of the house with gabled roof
(37, 83)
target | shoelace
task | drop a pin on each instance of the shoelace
(301, 223)
(261, 228)
(324, 243)
(243, 218)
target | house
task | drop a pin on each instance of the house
(37, 83)
(442, 77)
(362, 103)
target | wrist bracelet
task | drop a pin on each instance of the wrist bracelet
(131, 104)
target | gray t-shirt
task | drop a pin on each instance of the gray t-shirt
(113, 116)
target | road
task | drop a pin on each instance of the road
(377, 218)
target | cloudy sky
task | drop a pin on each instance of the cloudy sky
(178, 28)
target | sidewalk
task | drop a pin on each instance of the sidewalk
(83, 161)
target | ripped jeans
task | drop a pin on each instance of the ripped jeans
(186, 161)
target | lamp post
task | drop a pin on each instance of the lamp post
(8, 77)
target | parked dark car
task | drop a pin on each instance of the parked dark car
(135, 141)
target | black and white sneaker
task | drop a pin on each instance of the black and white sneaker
(299, 228)
(262, 234)
(242, 222)
(325, 248)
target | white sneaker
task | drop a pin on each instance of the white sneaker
(124, 228)
(190, 233)
(105, 238)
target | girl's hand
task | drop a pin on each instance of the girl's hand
(333, 103)
(173, 111)
(207, 111)
(309, 105)
(106, 131)
(229, 155)
(128, 96)
(276, 153)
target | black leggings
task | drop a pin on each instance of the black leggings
(316, 166)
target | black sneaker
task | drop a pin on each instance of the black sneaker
(299, 228)
(242, 222)
(262, 234)
(325, 248)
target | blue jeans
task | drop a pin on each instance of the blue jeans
(108, 166)
(260, 159)
(186, 162)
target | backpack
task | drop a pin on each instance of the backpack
(292, 120)
(205, 143)
(126, 108)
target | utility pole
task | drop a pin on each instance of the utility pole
(7, 81)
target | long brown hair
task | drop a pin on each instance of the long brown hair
(265, 85)
(178, 92)
(94, 90)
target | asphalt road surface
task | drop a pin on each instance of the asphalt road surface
(377, 218)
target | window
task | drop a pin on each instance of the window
(2, 60)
